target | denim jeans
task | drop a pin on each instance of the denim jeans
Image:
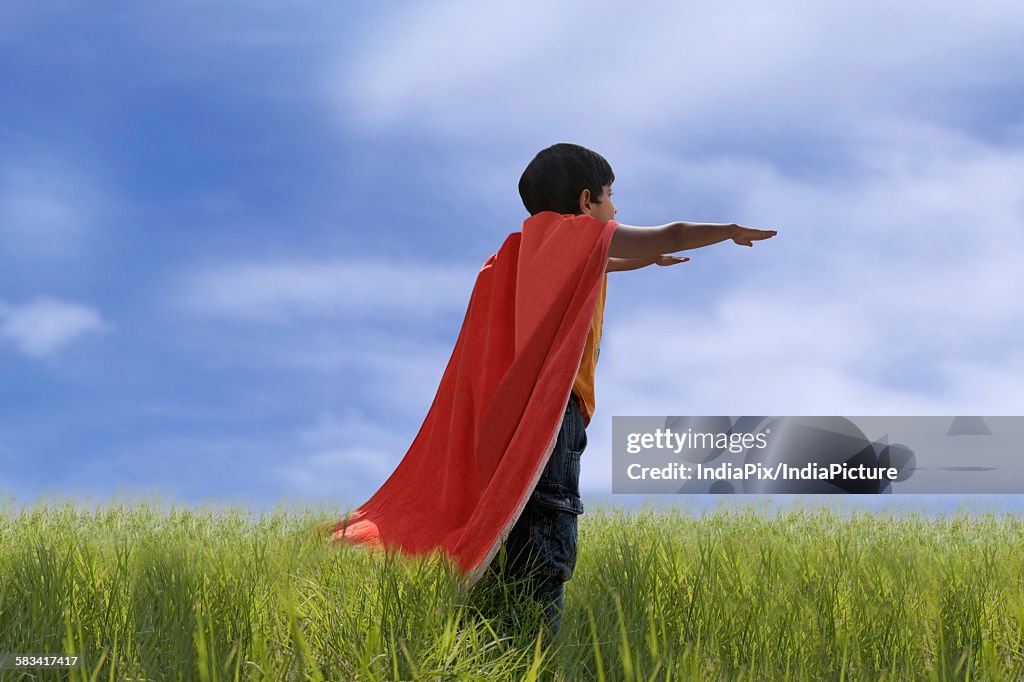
(542, 544)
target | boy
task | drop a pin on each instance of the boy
(496, 460)
(569, 179)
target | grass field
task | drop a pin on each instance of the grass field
(144, 591)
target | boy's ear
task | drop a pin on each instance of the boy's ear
(585, 201)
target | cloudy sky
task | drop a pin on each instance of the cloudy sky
(237, 240)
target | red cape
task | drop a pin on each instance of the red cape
(492, 426)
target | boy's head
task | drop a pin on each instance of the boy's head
(568, 178)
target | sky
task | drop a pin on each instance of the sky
(237, 239)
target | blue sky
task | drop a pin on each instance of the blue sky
(237, 241)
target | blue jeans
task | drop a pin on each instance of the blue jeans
(542, 544)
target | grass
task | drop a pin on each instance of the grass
(141, 592)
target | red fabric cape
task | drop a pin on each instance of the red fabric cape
(492, 425)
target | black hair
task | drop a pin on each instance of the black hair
(556, 176)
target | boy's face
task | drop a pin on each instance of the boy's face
(603, 209)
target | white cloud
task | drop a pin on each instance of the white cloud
(352, 472)
(350, 455)
(387, 327)
(396, 371)
(44, 325)
(756, 357)
(641, 69)
(49, 210)
(280, 292)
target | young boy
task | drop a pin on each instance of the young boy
(569, 179)
(497, 458)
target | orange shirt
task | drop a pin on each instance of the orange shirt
(583, 384)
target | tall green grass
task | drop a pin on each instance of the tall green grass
(144, 592)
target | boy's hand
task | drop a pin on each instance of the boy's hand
(745, 236)
(669, 259)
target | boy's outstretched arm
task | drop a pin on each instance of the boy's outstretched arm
(620, 264)
(649, 242)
